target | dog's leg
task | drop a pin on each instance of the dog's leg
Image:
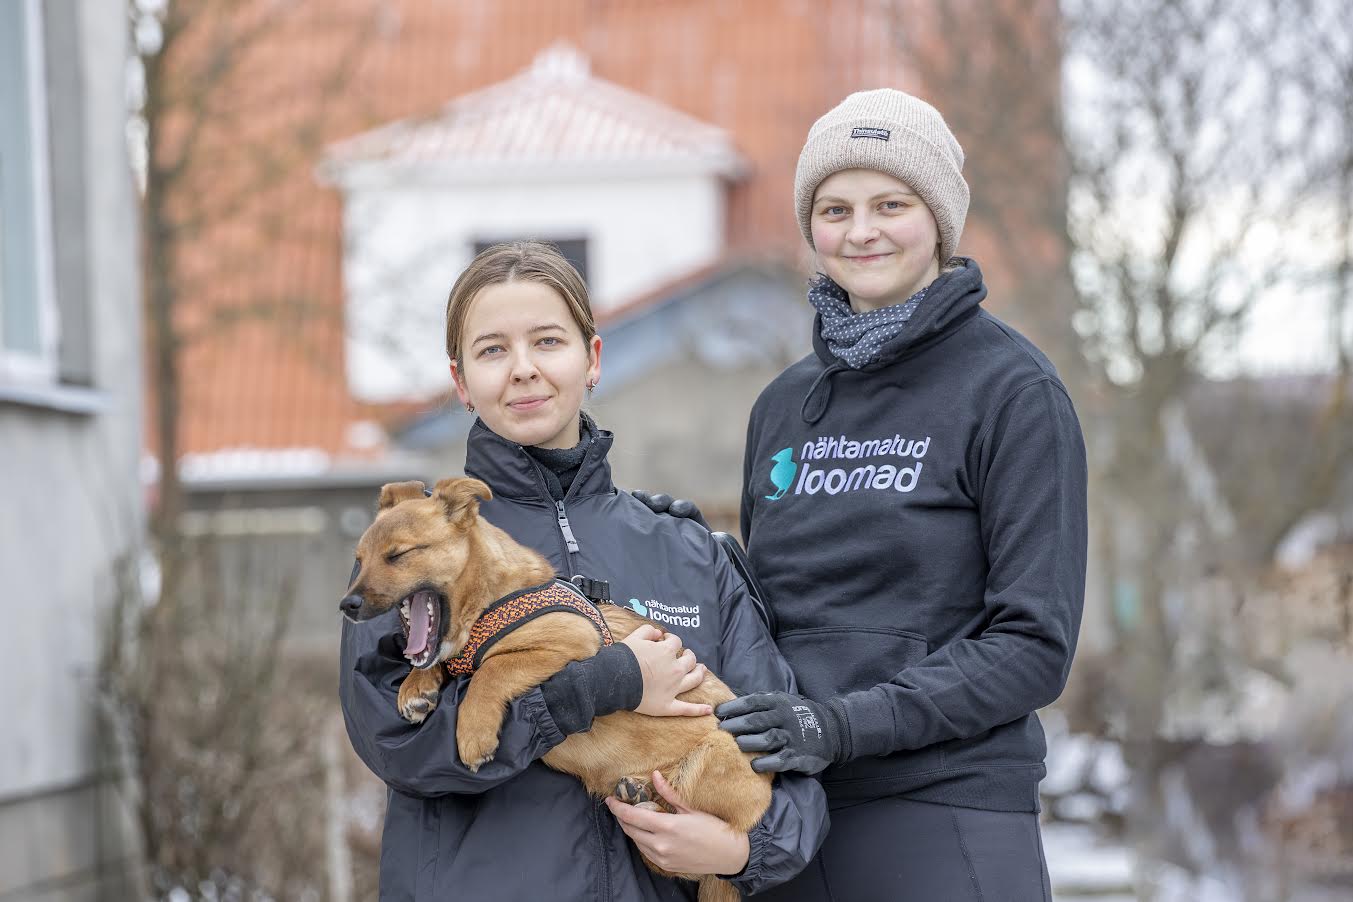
(419, 693)
(714, 777)
(519, 662)
(498, 681)
(712, 889)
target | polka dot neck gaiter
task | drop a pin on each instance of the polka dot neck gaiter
(858, 339)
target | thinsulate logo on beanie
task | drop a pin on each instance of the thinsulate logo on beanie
(881, 133)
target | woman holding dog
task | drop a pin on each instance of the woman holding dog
(524, 354)
(914, 508)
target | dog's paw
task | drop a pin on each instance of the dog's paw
(477, 725)
(415, 703)
(634, 791)
(416, 710)
(475, 751)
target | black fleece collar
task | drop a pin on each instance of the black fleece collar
(561, 465)
(511, 472)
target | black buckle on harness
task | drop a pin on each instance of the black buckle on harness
(598, 591)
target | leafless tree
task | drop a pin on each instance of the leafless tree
(1151, 172)
(219, 720)
(994, 70)
(217, 713)
(224, 128)
(1196, 194)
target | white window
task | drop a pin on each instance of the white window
(574, 250)
(28, 319)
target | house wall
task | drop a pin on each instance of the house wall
(288, 543)
(406, 246)
(69, 452)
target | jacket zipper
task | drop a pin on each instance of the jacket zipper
(560, 517)
(605, 852)
(567, 531)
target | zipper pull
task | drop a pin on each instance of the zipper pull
(564, 528)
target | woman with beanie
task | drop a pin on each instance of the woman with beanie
(914, 506)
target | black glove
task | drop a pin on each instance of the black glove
(664, 504)
(801, 734)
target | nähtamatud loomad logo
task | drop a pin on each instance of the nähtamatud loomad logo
(782, 474)
(668, 612)
(900, 469)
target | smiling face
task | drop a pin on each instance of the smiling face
(874, 237)
(524, 364)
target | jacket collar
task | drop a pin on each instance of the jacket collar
(511, 473)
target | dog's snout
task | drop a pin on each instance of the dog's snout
(350, 605)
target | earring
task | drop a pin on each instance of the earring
(591, 385)
(470, 408)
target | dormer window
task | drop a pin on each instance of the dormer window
(633, 192)
(573, 249)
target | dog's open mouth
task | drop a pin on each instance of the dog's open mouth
(421, 615)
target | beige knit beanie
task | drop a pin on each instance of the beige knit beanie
(892, 132)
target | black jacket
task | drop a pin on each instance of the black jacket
(517, 829)
(920, 529)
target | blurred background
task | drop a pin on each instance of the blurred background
(227, 232)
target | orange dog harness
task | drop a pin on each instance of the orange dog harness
(511, 611)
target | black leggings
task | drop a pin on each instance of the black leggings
(898, 850)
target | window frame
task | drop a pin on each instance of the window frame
(479, 244)
(41, 367)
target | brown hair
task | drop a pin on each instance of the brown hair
(526, 261)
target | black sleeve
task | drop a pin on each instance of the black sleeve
(607, 682)
(420, 759)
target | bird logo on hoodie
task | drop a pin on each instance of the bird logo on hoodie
(782, 474)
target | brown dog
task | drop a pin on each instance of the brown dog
(443, 564)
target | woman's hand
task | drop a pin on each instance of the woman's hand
(797, 733)
(668, 672)
(686, 842)
(680, 508)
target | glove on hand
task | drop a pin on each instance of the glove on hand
(802, 735)
(664, 504)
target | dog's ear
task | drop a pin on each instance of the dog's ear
(461, 497)
(394, 492)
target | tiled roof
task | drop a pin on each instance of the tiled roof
(688, 79)
(554, 111)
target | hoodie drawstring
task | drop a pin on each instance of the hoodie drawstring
(812, 409)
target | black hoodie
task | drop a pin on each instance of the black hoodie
(920, 528)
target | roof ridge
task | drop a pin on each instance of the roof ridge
(573, 103)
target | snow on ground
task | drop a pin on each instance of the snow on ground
(1085, 868)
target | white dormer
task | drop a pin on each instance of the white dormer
(632, 190)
